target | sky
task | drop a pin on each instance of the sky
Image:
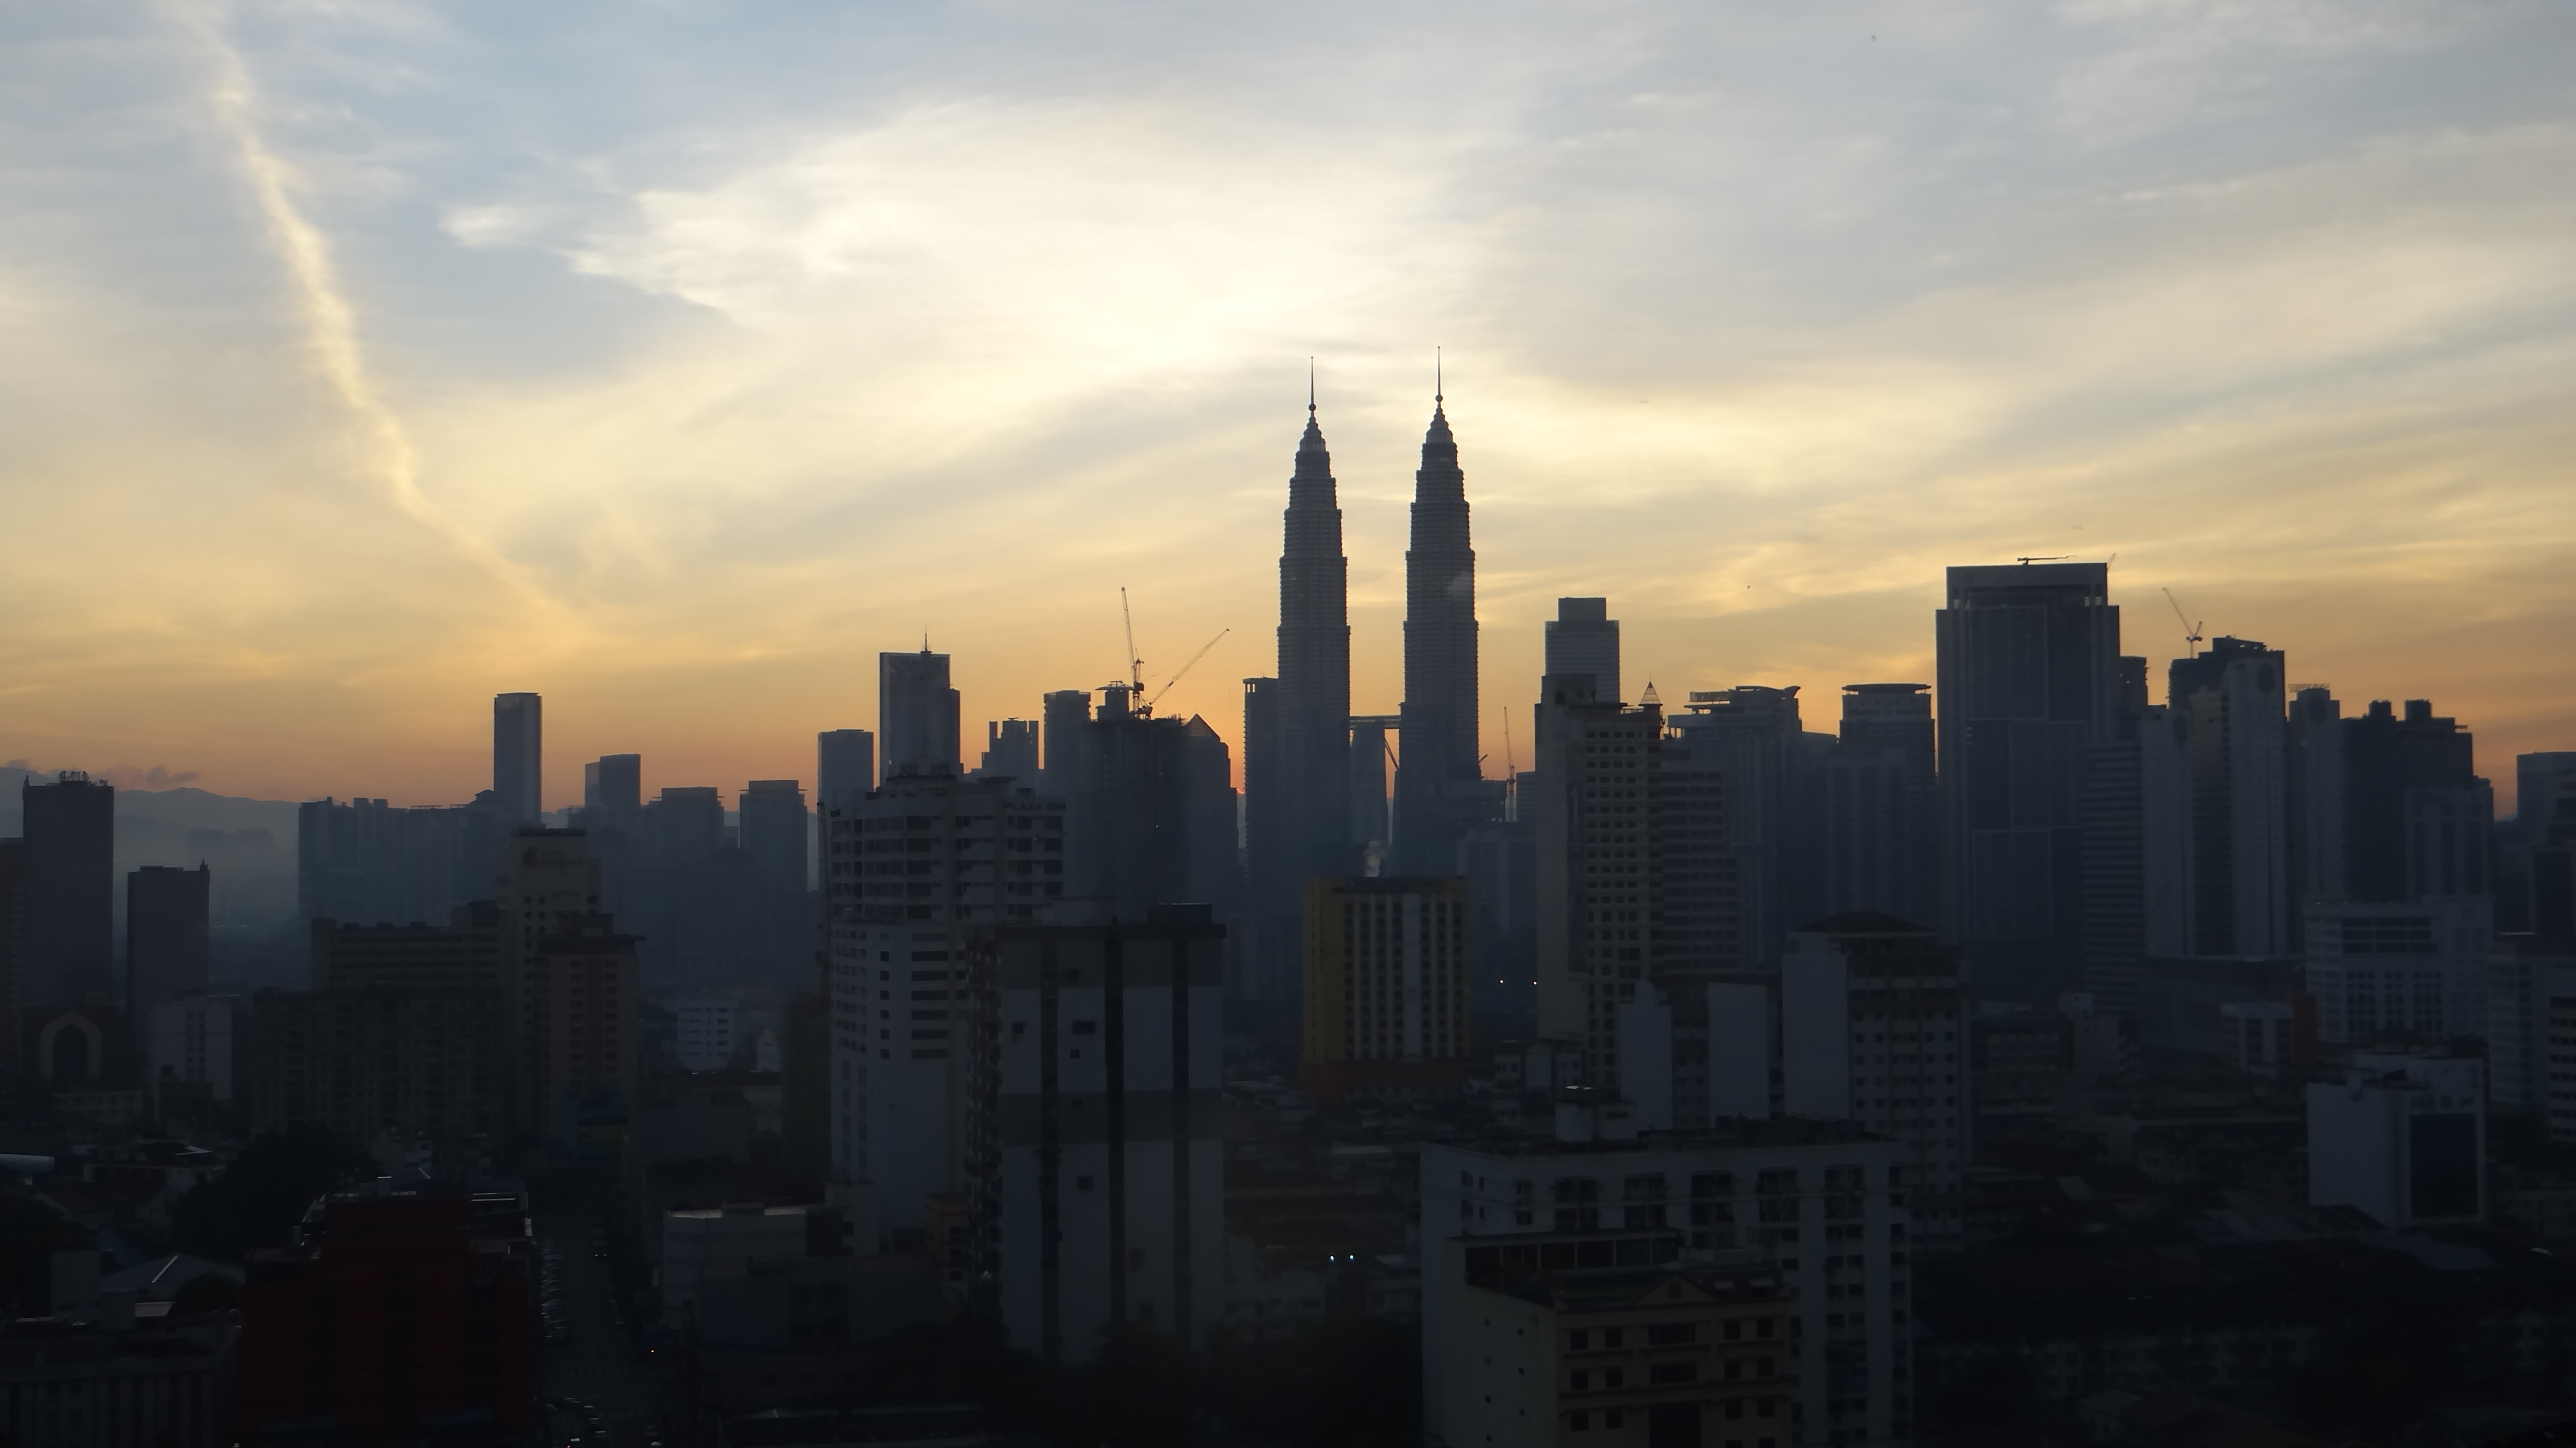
(361, 361)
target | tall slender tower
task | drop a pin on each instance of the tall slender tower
(1437, 799)
(1314, 679)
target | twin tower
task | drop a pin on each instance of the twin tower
(1300, 742)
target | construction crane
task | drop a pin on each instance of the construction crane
(1147, 708)
(1135, 665)
(2052, 558)
(2191, 634)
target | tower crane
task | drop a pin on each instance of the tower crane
(1147, 708)
(2191, 635)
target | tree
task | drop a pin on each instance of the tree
(263, 1194)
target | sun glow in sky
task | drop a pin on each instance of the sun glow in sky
(360, 361)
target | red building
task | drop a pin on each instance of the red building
(395, 1320)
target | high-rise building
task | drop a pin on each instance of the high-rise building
(845, 767)
(2028, 683)
(1313, 779)
(548, 885)
(1750, 737)
(2418, 821)
(2231, 704)
(13, 901)
(1264, 945)
(2116, 810)
(1823, 1206)
(2544, 819)
(1372, 823)
(774, 829)
(67, 921)
(518, 754)
(583, 1008)
(190, 1046)
(366, 860)
(462, 955)
(1874, 1029)
(1388, 995)
(1215, 822)
(1011, 751)
(2399, 967)
(1440, 788)
(1109, 1121)
(613, 786)
(1596, 865)
(1061, 715)
(917, 718)
(1583, 639)
(1882, 806)
(2402, 1139)
(921, 871)
(166, 938)
(367, 1060)
(1127, 821)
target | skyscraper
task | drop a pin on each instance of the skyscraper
(166, 928)
(1314, 780)
(613, 784)
(1011, 751)
(1584, 639)
(1439, 785)
(916, 715)
(2230, 700)
(1750, 735)
(2028, 680)
(845, 767)
(1882, 830)
(518, 774)
(774, 832)
(1599, 770)
(1061, 715)
(67, 925)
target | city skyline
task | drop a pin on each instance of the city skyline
(374, 415)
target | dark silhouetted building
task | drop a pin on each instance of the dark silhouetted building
(1372, 823)
(612, 786)
(1010, 751)
(1440, 789)
(2230, 701)
(1390, 963)
(774, 832)
(1061, 715)
(395, 1321)
(166, 940)
(151, 1383)
(1314, 689)
(1750, 736)
(1215, 828)
(518, 757)
(1882, 806)
(369, 860)
(917, 719)
(1583, 639)
(2028, 682)
(1599, 767)
(845, 767)
(67, 924)
(365, 1060)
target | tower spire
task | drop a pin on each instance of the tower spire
(1310, 387)
(1436, 389)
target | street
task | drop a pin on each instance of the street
(600, 1367)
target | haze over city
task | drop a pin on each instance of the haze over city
(368, 361)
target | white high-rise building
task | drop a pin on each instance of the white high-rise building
(2419, 968)
(1596, 866)
(1109, 1123)
(919, 872)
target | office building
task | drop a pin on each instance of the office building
(2544, 818)
(2027, 685)
(917, 720)
(1596, 865)
(2230, 708)
(1215, 821)
(1820, 1206)
(1749, 739)
(1311, 783)
(518, 758)
(845, 767)
(367, 860)
(709, 1027)
(1110, 1131)
(166, 935)
(548, 884)
(364, 1062)
(612, 788)
(2402, 1139)
(774, 833)
(462, 955)
(1010, 752)
(583, 1007)
(1061, 715)
(395, 1320)
(1440, 789)
(2531, 1026)
(190, 1047)
(2418, 821)
(2407, 969)
(1583, 641)
(1874, 1030)
(1372, 822)
(1127, 820)
(2114, 808)
(921, 871)
(1388, 997)
(1265, 954)
(67, 898)
(1699, 1047)
(1881, 805)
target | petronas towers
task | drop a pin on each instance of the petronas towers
(1299, 734)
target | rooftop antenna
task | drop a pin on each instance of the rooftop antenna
(2191, 634)
(1437, 391)
(1310, 397)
